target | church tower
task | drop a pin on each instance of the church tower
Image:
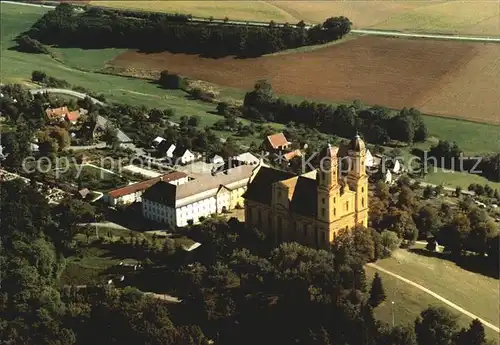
(358, 179)
(328, 186)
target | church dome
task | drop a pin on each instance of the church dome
(357, 144)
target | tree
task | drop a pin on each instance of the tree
(435, 326)
(222, 108)
(458, 191)
(377, 292)
(399, 335)
(38, 76)
(390, 242)
(427, 221)
(428, 192)
(110, 137)
(473, 336)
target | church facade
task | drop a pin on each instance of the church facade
(313, 207)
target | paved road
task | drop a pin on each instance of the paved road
(433, 294)
(354, 31)
(66, 92)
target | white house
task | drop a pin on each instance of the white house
(184, 156)
(133, 193)
(216, 159)
(397, 167)
(177, 205)
(157, 141)
(388, 177)
(247, 158)
(170, 151)
(369, 159)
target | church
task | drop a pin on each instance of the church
(313, 207)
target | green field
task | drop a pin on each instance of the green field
(472, 291)
(409, 302)
(462, 179)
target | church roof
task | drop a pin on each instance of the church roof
(305, 197)
(260, 189)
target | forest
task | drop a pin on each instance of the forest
(377, 124)
(101, 28)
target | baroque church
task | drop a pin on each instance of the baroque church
(313, 207)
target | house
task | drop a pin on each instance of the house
(247, 158)
(101, 126)
(369, 159)
(183, 156)
(216, 159)
(388, 177)
(291, 155)
(133, 193)
(56, 113)
(178, 205)
(397, 167)
(84, 193)
(276, 142)
(34, 147)
(310, 208)
(72, 116)
(166, 148)
(157, 141)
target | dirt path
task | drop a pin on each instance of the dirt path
(439, 297)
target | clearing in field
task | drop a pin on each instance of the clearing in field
(454, 79)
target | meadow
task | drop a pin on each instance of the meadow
(456, 17)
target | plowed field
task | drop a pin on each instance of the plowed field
(452, 79)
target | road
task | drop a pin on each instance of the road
(308, 26)
(435, 295)
(66, 92)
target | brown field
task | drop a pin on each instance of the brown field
(454, 79)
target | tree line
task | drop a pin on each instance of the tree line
(100, 28)
(377, 124)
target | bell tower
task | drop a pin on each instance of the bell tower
(358, 179)
(327, 180)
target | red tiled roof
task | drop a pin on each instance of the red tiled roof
(57, 111)
(277, 140)
(73, 115)
(292, 154)
(136, 187)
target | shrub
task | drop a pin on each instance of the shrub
(27, 44)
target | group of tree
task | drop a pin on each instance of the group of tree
(377, 124)
(484, 190)
(101, 28)
(448, 155)
(466, 228)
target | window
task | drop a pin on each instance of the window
(279, 194)
(362, 202)
(322, 212)
(305, 230)
(323, 236)
(323, 201)
(362, 189)
(334, 200)
(334, 211)
(260, 217)
(296, 227)
(347, 205)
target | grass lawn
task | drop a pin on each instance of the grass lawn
(472, 291)
(453, 179)
(409, 302)
(86, 59)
